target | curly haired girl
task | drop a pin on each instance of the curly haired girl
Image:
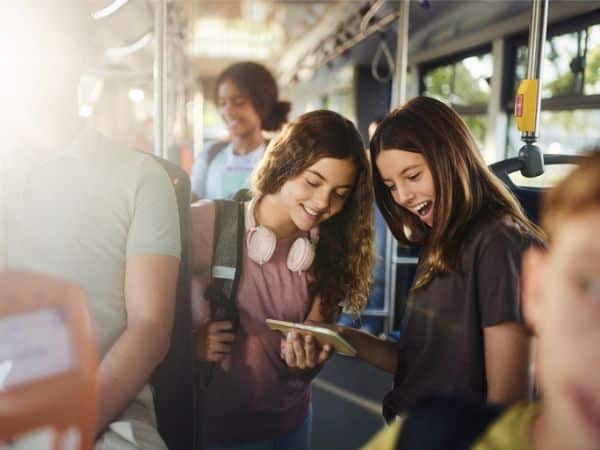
(311, 189)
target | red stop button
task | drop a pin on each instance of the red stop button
(519, 105)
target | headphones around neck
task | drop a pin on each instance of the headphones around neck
(262, 241)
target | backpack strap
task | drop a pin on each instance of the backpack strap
(243, 195)
(445, 423)
(226, 269)
(214, 150)
(226, 261)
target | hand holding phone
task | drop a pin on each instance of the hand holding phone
(321, 334)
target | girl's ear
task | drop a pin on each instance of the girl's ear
(532, 285)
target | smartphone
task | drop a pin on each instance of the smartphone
(321, 334)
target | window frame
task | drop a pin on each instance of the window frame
(429, 66)
(567, 102)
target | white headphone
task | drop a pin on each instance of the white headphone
(261, 244)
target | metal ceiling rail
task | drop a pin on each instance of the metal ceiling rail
(354, 40)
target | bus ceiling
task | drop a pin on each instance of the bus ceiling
(296, 38)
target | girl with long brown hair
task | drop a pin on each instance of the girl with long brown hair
(313, 183)
(462, 330)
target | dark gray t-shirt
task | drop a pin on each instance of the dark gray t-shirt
(441, 347)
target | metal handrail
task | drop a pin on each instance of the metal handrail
(502, 168)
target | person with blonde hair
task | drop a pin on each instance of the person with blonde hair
(312, 190)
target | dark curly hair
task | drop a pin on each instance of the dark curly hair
(257, 82)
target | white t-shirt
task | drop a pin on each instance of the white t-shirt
(78, 213)
(226, 174)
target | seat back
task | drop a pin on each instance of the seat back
(529, 197)
(173, 380)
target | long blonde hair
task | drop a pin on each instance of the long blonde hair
(466, 190)
(344, 257)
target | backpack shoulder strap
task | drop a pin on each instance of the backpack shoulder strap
(214, 150)
(243, 195)
(226, 260)
(445, 423)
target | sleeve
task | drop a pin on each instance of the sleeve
(154, 227)
(199, 174)
(498, 267)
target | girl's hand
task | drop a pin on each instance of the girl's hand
(213, 341)
(302, 351)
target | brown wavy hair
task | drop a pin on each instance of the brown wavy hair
(344, 256)
(466, 191)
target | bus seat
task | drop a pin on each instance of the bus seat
(173, 379)
(529, 197)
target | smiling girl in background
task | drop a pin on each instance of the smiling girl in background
(247, 100)
(312, 190)
(462, 330)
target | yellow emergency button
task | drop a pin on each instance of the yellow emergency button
(525, 105)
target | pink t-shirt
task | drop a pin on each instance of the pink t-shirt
(257, 397)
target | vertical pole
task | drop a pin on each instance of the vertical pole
(160, 78)
(3, 209)
(495, 136)
(537, 38)
(401, 65)
(198, 118)
(398, 98)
